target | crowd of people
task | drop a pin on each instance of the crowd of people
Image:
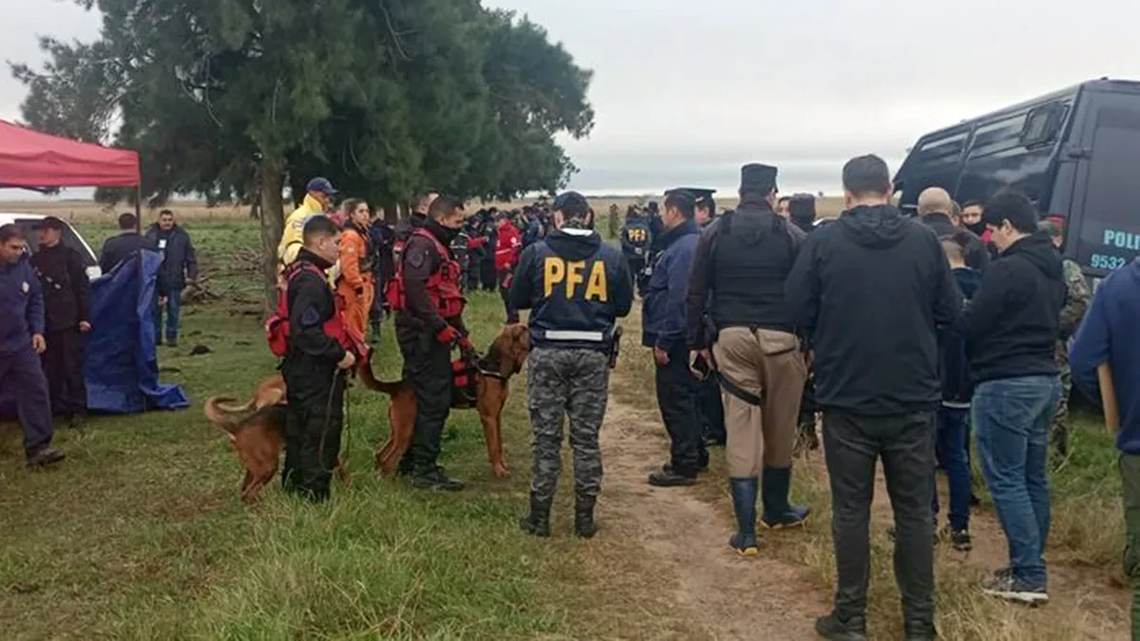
(907, 333)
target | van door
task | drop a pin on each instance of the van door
(1105, 211)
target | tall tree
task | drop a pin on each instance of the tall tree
(240, 98)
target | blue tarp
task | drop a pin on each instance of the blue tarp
(121, 365)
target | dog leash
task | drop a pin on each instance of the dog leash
(328, 419)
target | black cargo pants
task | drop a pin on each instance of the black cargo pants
(313, 424)
(677, 398)
(853, 444)
(63, 365)
(427, 366)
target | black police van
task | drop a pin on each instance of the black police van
(1075, 152)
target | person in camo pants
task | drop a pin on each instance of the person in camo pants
(576, 287)
(1077, 299)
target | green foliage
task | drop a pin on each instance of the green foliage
(383, 97)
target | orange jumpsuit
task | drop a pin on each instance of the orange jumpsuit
(356, 284)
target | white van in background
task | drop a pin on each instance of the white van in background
(71, 238)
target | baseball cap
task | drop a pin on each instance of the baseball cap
(51, 222)
(321, 185)
(570, 200)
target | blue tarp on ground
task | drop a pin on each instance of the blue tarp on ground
(121, 365)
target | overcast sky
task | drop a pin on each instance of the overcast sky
(686, 91)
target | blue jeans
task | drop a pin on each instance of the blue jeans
(173, 315)
(955, 459)
(1011, 419)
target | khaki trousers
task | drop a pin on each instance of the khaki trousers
(769, 364)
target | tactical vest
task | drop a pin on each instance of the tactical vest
(442, 286)
(277, 327)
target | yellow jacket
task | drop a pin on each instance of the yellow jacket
(291, 238)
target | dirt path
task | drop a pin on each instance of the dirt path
(683, 539)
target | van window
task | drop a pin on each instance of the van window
(1042, 124)
(998, 136)
(941, 151)
(1111, 226)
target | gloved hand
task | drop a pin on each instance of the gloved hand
(465, 344)
(448, 335)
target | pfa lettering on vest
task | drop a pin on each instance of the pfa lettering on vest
(574, 279)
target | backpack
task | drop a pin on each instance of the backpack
(277, 326)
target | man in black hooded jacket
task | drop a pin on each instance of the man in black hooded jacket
(867, 293)
(1012, 326)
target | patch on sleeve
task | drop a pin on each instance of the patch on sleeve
(416, 259)
(310, 318)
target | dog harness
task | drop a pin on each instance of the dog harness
(277, 327)
(442, 286)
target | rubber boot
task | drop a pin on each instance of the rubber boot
(537, 523)
(778, 513)
(584, 525)
(744, 504)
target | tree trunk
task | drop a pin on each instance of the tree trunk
(272, 223)
(391, 213)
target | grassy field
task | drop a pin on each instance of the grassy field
(141, 535)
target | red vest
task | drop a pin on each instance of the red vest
(277, 327)
(442, 285)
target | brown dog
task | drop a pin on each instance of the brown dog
(259, 437)
(492, 385)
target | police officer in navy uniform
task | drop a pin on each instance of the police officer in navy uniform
(314, 366)
(428, 327)
(66, 318)
(21, 341)
(635, 240)
(664, 330)
(577, 286)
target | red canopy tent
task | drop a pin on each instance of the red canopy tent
(32, 159)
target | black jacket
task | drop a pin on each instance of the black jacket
(743, 262)
(383, 236)
(65, 285)
(420, 260)
(311, 304)
(957, 384)
(1013, 322)
(179, 260)
(118, 248)
(977, 255)
(572, 282)
(867, 293)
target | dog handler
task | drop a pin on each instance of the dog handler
(429, 324)
(314, 363)
(576, 286)
(21, 341)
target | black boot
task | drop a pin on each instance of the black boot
(537, 523)
(584, 525)
(744, 505)
(836, 629)
(668, 476)
(778, 513)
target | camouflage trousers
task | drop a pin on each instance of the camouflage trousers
(1059, 429)
(561, 383)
